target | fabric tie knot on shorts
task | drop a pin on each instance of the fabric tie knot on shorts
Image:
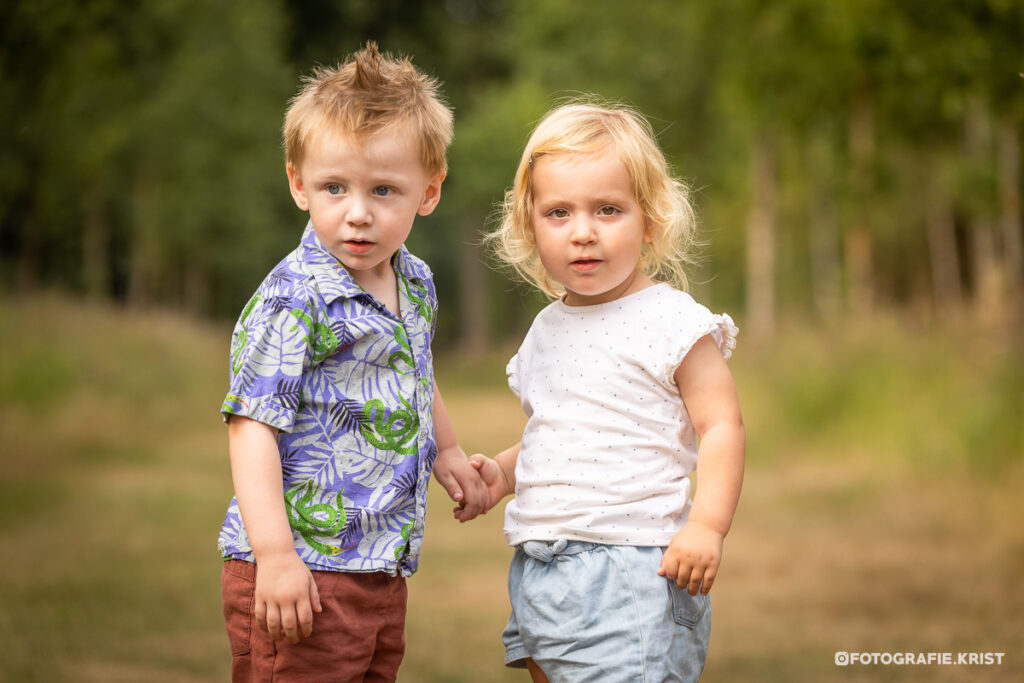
(546, 551)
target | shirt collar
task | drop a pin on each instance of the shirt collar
(335, 282)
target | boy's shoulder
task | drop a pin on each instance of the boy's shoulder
(308, 278)
(291, 283)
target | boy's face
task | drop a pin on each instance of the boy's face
(362, 197)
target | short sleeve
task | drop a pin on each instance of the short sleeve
(691, 322)
(269, 352)
(512, 372)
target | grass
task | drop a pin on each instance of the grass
(880, 511)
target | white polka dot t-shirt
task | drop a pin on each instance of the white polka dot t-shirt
(608, 443)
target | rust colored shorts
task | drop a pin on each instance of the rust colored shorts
(359, 636)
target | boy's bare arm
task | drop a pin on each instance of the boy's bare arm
(286, 595)
(452, 468)
(709, 393)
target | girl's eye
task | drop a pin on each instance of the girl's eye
(334, 189)
(608, 211)
(558, 213)
(382, 190)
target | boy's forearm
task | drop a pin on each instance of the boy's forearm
(444, 430)
(256, 473)
(720, 460)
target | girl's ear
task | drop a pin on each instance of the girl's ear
(649, 230)
(432, 195)
(296, 187)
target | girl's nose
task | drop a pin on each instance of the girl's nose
(583, 232)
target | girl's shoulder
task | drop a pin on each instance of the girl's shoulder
(685, 320)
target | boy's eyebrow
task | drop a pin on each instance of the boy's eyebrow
(336, 175)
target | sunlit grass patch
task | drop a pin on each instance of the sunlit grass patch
(880, 507)
(921, 399)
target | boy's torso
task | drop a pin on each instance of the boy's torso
(350, 386)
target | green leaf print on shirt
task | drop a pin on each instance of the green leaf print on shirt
(321, 337)
(400, 550)
(302, 519)
(242, 338)
(390, 432)
(417, 294)
(405, 355)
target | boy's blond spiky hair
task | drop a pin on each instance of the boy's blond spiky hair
(366, 93)
(586, 125)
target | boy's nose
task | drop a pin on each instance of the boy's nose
(358, 212)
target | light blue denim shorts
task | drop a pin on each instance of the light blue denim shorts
(593, 612)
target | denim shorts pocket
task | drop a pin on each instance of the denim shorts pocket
(687, 610)
(238, 591)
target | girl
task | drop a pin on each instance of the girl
(621, 378)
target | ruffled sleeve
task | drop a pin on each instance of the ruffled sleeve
(692, 322)
(512, 372)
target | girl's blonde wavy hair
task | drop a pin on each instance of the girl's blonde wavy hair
(586, 126)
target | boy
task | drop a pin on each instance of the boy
(334, 419)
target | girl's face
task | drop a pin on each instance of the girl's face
(588, 226)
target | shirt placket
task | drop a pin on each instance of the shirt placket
(423, 400)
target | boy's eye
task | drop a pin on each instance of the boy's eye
(382, 190)
(334, 189)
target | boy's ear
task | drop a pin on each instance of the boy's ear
(296, 187)
(432, 195)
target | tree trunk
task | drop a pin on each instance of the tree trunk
(195, 290)
(143, 262)
(823, 232)
(987, 270)
(761, 231)
(942, 250)
(29, 247)
(474, 323)
(96, 265)
(858, 243)
(1009, 212)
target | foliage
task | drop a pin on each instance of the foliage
(143, 159)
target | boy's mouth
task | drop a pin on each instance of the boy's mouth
(358, 246)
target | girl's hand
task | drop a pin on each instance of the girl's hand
(462, 482)
(494, 478)
(692, 558)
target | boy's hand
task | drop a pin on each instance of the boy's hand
(493, 476)
(693, 557)
(462, 482)
(286, 597)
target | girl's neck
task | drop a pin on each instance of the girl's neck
(637, 281)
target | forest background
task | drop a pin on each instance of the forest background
(857, 168)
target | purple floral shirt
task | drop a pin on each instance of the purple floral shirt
(351, 388)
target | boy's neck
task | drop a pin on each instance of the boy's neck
(381, 283)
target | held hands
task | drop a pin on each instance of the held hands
(693, 557)
(494, 478)
(462, 482)
(286, 597)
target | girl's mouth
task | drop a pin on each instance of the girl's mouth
(584, 265)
